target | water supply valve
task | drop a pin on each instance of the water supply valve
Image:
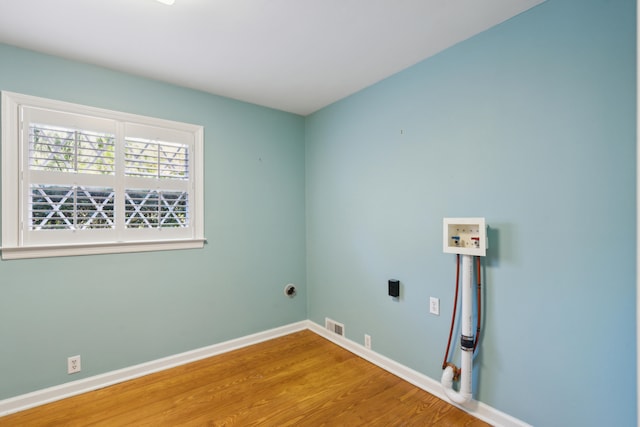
(465, 236)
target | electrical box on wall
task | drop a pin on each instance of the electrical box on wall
(465, 236)
(394, 288)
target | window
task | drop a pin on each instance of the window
(81, 180)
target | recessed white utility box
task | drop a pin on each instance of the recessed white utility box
(465, 236)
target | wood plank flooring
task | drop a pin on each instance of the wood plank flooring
(300, 379)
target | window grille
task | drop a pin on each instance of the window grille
(152, 209)
(155, 159)
(58, 149)
(55, 207)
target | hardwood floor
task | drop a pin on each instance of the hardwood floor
(296, 380)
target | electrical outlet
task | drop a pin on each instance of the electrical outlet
(367, 341)
(434, 306)
(73, 364)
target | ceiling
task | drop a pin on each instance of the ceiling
(292, 55)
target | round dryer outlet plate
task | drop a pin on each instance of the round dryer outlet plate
(290, 290)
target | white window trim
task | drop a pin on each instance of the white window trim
(12, 244)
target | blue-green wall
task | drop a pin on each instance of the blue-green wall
(120, 310)
(532, 125)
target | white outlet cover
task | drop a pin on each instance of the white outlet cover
(73, 364)
(367, 341)
(434, 306)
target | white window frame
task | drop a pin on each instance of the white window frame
(16, 240)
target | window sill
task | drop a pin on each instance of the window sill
(48, 251)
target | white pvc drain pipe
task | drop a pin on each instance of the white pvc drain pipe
(466, 341)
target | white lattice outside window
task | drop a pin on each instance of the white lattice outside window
(79, 180)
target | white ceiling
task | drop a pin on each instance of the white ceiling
(292, 55)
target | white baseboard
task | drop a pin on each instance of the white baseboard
(62, 391)
(477, 409)
(52, 394)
